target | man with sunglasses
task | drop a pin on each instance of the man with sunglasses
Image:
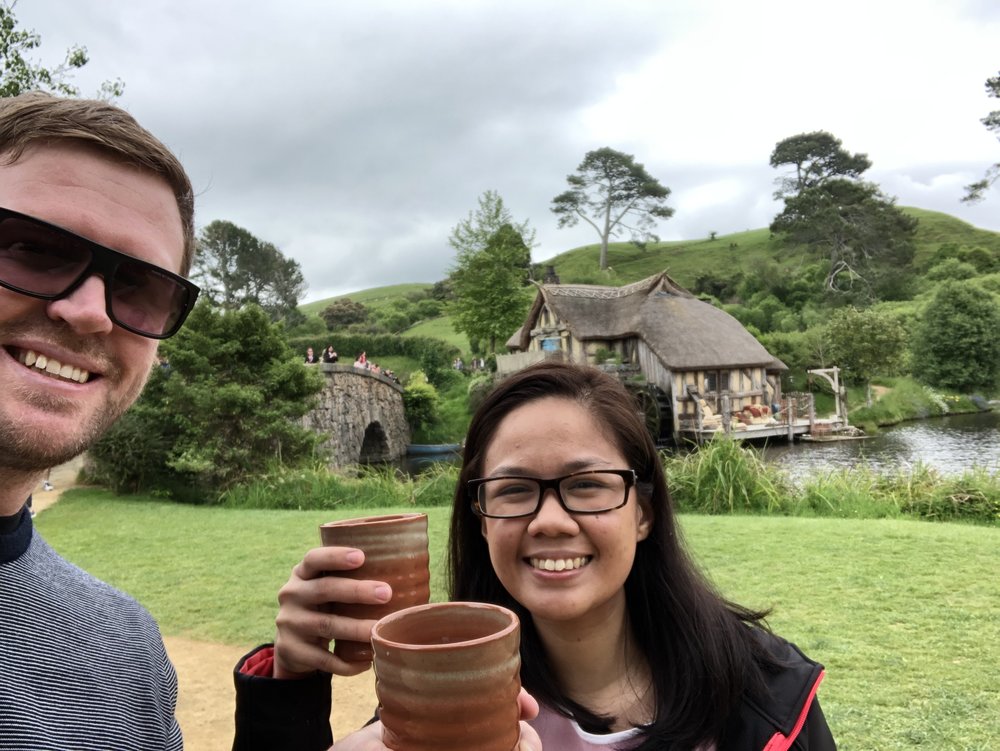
(96, 235)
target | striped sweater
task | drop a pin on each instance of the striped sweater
(82, 665)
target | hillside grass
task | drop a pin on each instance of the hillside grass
(905, 615)
(685, 261)
(374, 297)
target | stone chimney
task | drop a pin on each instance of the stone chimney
(550, 275)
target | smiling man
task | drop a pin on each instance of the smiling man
(96, 235)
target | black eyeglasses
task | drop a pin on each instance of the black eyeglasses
(48, 262)
(589, 492)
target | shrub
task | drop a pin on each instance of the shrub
(420, 400)
(228, 405)
(956, 342)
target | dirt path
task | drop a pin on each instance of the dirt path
(206, 697)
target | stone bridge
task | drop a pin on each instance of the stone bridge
(361, 416)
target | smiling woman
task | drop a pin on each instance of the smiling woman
(562, 515)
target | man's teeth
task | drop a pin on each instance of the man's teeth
(559, 564)
(53, 367)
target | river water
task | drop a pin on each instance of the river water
(950, 444)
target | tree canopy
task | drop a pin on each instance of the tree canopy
(488, 305)
(343, 312)
(19, 74)
(235, 269)
(613, 193)
(866, 240)
(473, 233)
(815, 158)
(977, 191)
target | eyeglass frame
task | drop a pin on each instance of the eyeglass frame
(630, 477)
(104, 261)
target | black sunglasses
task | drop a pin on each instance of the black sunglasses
(48, 262)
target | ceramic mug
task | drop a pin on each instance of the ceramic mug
(395, 548)
(447, 676)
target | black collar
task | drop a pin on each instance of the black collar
(15, 535)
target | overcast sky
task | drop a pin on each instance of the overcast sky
(355, 135)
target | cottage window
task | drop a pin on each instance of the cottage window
(716, 381)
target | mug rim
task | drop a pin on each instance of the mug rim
(512, 625)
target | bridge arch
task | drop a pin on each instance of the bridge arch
(360, 416)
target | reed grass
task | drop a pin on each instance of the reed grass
(723, 477)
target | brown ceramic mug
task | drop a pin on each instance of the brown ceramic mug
(395, 548)
(447, 676)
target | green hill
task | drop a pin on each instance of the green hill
(685, 260)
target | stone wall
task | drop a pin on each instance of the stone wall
(361, 415)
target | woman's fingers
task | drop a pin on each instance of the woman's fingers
(305, 625)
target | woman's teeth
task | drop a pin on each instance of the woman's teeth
(52, 367)
(559, 564)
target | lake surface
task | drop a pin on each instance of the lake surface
(951, 445)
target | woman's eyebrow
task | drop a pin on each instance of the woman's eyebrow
(576, 465)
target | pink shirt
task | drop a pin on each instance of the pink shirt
(563, 734)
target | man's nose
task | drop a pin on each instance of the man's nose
(85, 310)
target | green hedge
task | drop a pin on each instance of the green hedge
(348, 346)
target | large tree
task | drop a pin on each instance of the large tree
(19, 74)
(866, 240)
(235, 268)
(977, 190)
(488, 304)
(472, 234)
(957, 340)
(613, 193)
(815, 158)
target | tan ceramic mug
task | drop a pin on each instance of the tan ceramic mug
(447, 676)
(395, 548)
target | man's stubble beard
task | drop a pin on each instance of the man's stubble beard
(19, 450)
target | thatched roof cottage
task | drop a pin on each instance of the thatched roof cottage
(688, 361)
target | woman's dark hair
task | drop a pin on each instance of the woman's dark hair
(700, 647)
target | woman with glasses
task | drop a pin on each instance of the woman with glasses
(562, 514)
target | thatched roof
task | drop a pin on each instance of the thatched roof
(684, 332)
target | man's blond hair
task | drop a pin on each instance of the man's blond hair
(35, 118)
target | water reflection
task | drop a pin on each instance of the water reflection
(951, 445)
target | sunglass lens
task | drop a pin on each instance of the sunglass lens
(38, 261)
(146, 300)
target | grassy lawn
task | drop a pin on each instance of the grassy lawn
(905, 615)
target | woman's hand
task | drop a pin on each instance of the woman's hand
(369, 738)
(305, 629)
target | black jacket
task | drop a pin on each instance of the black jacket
(294, 715)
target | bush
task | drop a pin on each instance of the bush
(227, 406)
(420, 399)
(479, 386)
(956, 342)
